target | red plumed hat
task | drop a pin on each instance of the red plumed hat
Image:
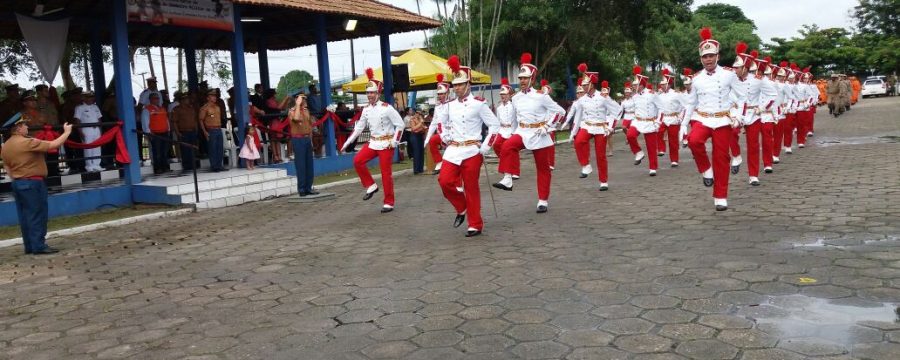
(687, 72)
(783, 63)
(373, 85)
(504, 86)
(526, 68)
(544, 82)
(442, 87)
(582, 68)
(461, 74)
(636, 70)
(707, 44)
(604, 84)
(741, 47)
(453, 63)
(504, 81)
(705, 34)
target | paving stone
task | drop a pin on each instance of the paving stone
(812, 346)
(687, 331)
(644, 343)
(532, 332)
(706, 349)
(725, 322)
(626, 326)
(747, 338)
(540, 350)
(443, 338)
(669, 316)
(486, 343)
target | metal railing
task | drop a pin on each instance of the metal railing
(191, 147)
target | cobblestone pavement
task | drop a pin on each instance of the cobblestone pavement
(806, 265)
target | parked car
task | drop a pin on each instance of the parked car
(874, 87)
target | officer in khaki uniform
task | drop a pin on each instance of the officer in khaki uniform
(845, 93)
(301, 142)
(186, 124)
(211, 119)
(834, 96)
(23, 159)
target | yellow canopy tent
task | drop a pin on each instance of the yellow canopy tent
(423, 67)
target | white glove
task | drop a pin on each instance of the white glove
(394, 144)
(683, 132)
(485, 148)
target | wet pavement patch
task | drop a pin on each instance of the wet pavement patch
(819, 327)
(883, 139)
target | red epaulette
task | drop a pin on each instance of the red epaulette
(479, 98)
(728, 68)
(385, 104)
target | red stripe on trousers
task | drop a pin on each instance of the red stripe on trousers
(721, 142)
(385, 158)
(469, 200)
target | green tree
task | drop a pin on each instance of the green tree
(878, 17)
(292, 81)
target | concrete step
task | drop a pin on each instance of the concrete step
(247, 197)
(220, 189)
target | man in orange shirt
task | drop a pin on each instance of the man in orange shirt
(155, 121)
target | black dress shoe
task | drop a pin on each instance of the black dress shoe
(707, 182)
(541, 209)
(754, 183)
(313, 192)
(303, 194)
(435, 172)
(674, 165)
(735, 169)
(471, 233)
(768, 171)
(368, 196)
(604, 188)
(776, 161)
(661, 154)
(638, 162)
(386, 210)
(721, 208)
(45, 251)
(460, 218)
(582, 176)
(502, 187)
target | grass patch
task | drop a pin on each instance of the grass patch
(8, 232)
(351, 174)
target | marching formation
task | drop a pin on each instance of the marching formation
(766, 102)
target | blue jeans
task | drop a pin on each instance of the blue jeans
(31, 206)
(303, 163)
(417, 147)
(216, 149)
(187, 153)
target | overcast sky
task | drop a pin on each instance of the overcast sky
(773, 18)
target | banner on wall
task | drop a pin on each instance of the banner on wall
(202, 14)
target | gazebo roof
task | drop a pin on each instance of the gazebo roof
(285, 24)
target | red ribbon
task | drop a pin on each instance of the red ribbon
(115, 133)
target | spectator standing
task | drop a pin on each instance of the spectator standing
(23, 158)
(301, 130)
(88, 114)
(155, 121)
(210, 117)
(186, 123)
(417, 130)
(144, 98)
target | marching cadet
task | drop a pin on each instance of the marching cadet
(781, 114)
(793, 95)
(708, 114)
(739, 106)
(464, 118)
(506, 114)
(646, 120)
(805, 106)
(434, 143)
(767, 105)
(385, 128)
(747, 70)
(594, 119)
(687, 76)
(627, 105)
(534, 110)
(671, 109)
(546, 89)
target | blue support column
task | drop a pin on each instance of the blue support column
(263, 55)
(97, 65)
(124, 93)
(242, 110)
(388, 76)
(570, 92)
(412, 100)
(190, 61)
(325, 81)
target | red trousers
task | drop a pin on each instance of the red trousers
(753, 133)
(649, 140)
(470, 199)
(626, 124)
(672, 132)
(582, 144)
(804, 120)
(434, 146)
(385, 157)
(767, 132)
(509, 163)
(790, 123)
(661, 138)
(735, 144)
(498, 148)
(721, 161)
(777, 137)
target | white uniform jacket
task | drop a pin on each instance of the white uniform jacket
(646, 112)
(709, 101)
(597, 114)
(385, 126)
(465, 117)
(506, 114)
(534, 112)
